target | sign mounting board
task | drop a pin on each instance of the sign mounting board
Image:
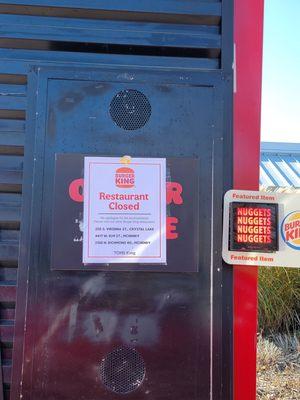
(124, 210)
(261, 228)
(182, 222)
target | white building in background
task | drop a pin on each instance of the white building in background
(280, 167)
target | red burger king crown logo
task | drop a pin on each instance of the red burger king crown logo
(124, 177)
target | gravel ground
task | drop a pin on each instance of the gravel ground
(278, 369)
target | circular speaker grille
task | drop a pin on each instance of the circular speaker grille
(122, 370)
(130, 109)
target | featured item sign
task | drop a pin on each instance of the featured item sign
(182, 210)
(261, 228)
(124, 210)
(253, 227)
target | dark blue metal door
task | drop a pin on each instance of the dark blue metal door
(101, 334)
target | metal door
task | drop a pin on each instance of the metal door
(100, 333)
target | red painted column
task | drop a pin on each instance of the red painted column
(248, 34)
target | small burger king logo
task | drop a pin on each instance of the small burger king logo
(290, 230)
(124, 177)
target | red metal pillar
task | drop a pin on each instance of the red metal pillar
(248, 22)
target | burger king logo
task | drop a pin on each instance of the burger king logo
(124, 177)
(290, 230)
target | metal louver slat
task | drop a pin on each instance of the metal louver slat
(97, 31)
(11, 173)
(12, 133)
(8, 253)
(6, 369)
(164, 6)
(7, 290)
(12, 97)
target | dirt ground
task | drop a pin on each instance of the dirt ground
(278, 370)
(278, 385)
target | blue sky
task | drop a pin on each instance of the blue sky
(281, 72)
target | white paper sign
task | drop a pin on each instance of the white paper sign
(253, 227)
(124, 210)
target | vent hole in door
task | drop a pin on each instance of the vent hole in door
(130, 109)
(122, 370)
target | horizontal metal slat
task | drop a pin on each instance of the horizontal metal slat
(11, 173)
(6, 352)
(8, 274)
(11, 198)
(109, 32)
(11, 181)
(12, 143)
(8, 291)
(6, 370)
(12, 103)
(12, 137)
(7, 313)
(11, 163)
(163, 6)
(18, 61)
(11, 236)
(12, 97)
(10, 216)
(12, 90)
(6, 331)
(10, 125)
(9, 252)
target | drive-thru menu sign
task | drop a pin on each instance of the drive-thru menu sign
(124, 210)
(261, 228)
